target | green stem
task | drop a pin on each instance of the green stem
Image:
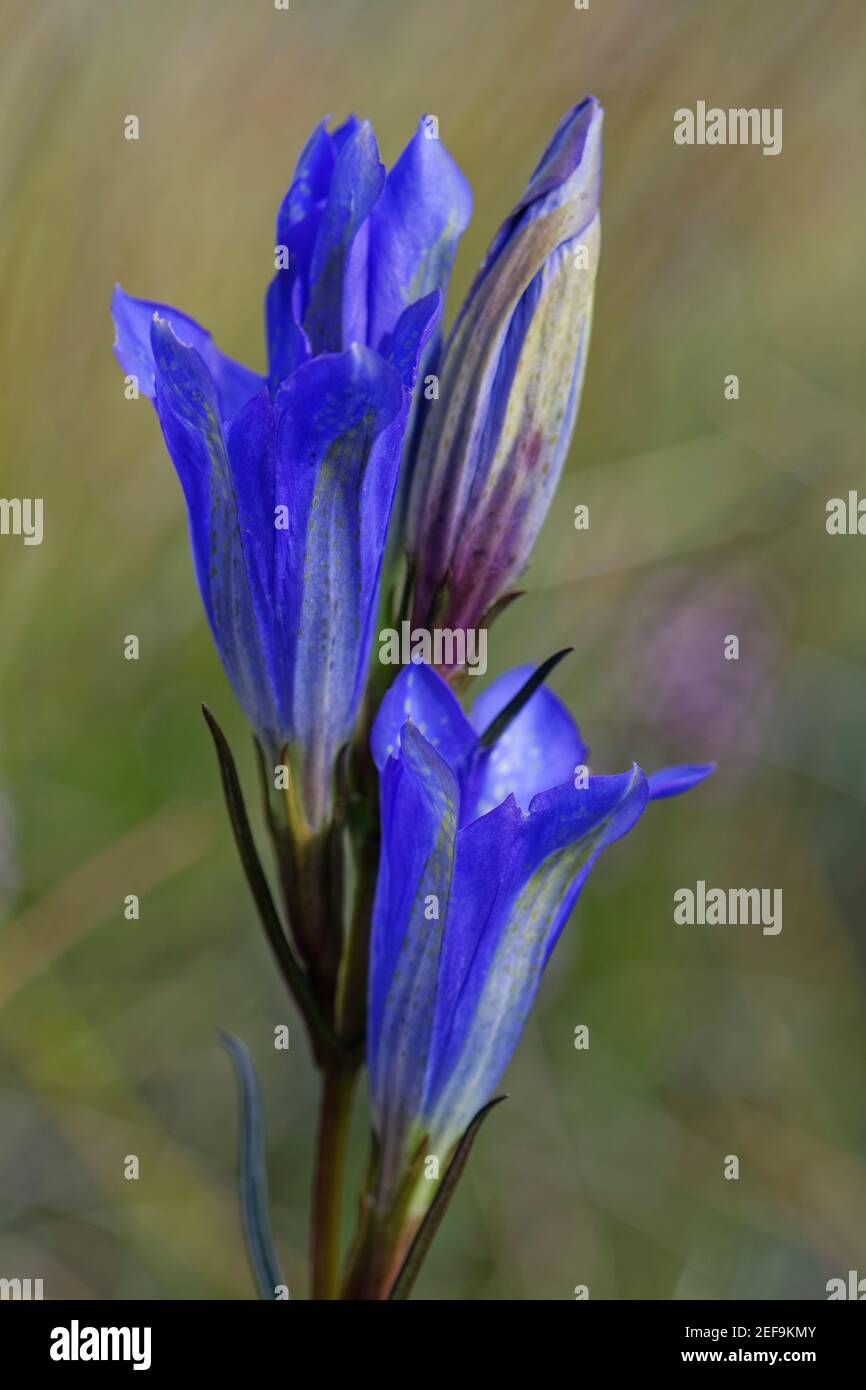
(351, 1005)
(338, 1082)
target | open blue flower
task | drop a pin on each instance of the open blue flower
(484, 854)
(493, 448)
(290, 479)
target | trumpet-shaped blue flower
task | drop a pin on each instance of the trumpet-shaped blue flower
(484, 855)
(492, 449)
(289, 479)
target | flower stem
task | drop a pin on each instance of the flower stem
(338, 1082)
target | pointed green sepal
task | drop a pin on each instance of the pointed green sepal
(411, 1266)
(525, 693)
(321, 1034)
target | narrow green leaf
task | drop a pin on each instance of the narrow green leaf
(253, 1174)
(497, 728)
(255, 875)
(411, 1266)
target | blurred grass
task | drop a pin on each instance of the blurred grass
(606, 1166)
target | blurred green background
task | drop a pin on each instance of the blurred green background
(707, 519)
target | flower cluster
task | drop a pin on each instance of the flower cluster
(473, 835)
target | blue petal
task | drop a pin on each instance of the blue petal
(286, 299)
(425, 207)
(541, 748)
(340, 422)
(515, 884)
(414, 330)
(310, 181)
(298, 222)
(420, 695)
(419, 824)
(234, 383)
(416, 225)
(222, 515)
(671, 781)
(345, 132)
(337, 291)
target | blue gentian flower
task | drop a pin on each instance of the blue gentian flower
(492, 449)
(290, 479)
(484, 854)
